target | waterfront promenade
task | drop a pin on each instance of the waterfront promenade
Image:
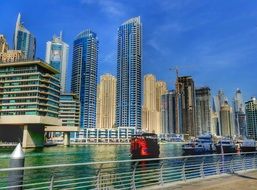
(236, 181)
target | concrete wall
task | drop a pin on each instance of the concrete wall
(9, 133)
(29, 135)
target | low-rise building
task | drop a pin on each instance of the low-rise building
(29, 100)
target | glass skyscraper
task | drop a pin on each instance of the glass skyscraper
(57, 56)
(239, 113)
(24, 40)
(251, 118)
(129, 90)
(84, 76)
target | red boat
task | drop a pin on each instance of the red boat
(144, 146)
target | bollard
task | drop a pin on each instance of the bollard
(15, 177)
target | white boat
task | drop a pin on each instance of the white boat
(202, 145)
(227, 145)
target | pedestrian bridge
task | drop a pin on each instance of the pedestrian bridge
(159, 173)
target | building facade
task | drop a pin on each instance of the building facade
(7, 55)
(3, 44)
(69, 110)
(57, 53)
(161, 88)
(186, 105)
(239, 114)
(129, 90)
(226, 120)
(218, 101)
(29, 96)
(151, 110)
(150, 116)
(24, 40)
(104, 135)
(84, 76)
(106, 99)
(251, 118)
(11, 56)
(203, 110)
(168, 112)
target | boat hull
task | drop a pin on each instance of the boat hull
(140, 156)
(226, 149)
(248, 149)
(195, 151)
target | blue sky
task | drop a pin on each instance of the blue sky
(214, 41)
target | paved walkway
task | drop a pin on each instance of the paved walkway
(237, 181)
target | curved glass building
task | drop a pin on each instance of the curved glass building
(84, 76)
(24, 40)
(129, 90)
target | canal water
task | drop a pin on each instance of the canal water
(82, 153)
(94, 153)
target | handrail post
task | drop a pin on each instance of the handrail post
(161, 174)
(184, 169)
(218, 166)
(133, 185)
(231, 165)
(201, 168)
(98, 175)
(51, 183)
(244, 164)
(254, 161)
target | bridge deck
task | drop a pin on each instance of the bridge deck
(236, 181)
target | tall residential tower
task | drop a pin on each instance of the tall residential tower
(106, 99)
(57, 56)
(239, 113)
(84, 76)
(186, 91)
(251, 117)
(203, 110)
(129, 90)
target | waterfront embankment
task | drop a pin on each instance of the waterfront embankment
(235, 181)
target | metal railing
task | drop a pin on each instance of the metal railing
(128, 174)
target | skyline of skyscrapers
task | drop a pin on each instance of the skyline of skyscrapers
(57, 52)
(129, 88)
(84, 75)
(192, 104)
(24, 40)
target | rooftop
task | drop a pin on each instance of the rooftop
(30, 62)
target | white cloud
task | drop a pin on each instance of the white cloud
(110, 7)
(110, 58)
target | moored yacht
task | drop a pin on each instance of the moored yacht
(227, 145)
(144, 146)
(248, 145)
(202, 145)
